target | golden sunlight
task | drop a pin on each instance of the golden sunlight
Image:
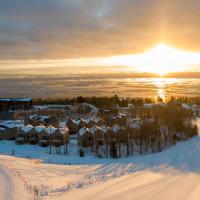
(160, 59)
(163, 59)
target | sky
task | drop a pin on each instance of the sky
(38, 31)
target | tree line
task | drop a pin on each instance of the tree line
(110, 102)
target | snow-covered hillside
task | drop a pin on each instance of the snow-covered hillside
(171, 174)
(145, 185)
(11, 185)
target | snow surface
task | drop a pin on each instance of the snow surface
(11, 186)
(173, 174)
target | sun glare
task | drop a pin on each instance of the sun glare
(164, 59)
(161, 59)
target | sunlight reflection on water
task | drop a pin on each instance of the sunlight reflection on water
(161, 84)
(71, 85)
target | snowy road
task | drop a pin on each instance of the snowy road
(11, 187)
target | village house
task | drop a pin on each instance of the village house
(33, 136)
(22, 134)
(59, 136)
(85, 137)
(10, 130)
(43, 136)
(97, 135)
(73, 126)
(38, 133)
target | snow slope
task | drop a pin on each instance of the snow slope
(170, 175)
(11, 186)
(178, 178)
(145, 185)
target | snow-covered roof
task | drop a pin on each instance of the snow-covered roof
(50, 106)
(32, 116)
(27, 128)
(10, 125)
(82, 131)
(38, 117)
(50, 130)
(43, 117)
(77, 122)
(39, 128)
(16, 99)
(14, 123)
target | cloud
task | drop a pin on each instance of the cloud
(61, 29)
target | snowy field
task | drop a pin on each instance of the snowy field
(172, 174)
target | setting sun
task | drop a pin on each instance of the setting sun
(160, 59)
(163, 59)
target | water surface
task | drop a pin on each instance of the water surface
(69, 83)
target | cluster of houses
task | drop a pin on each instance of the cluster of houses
(45, 130)
(44, 136)
(8, 129)
(96, 132)
(38, 134)
(99, 135)
(91, 132)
